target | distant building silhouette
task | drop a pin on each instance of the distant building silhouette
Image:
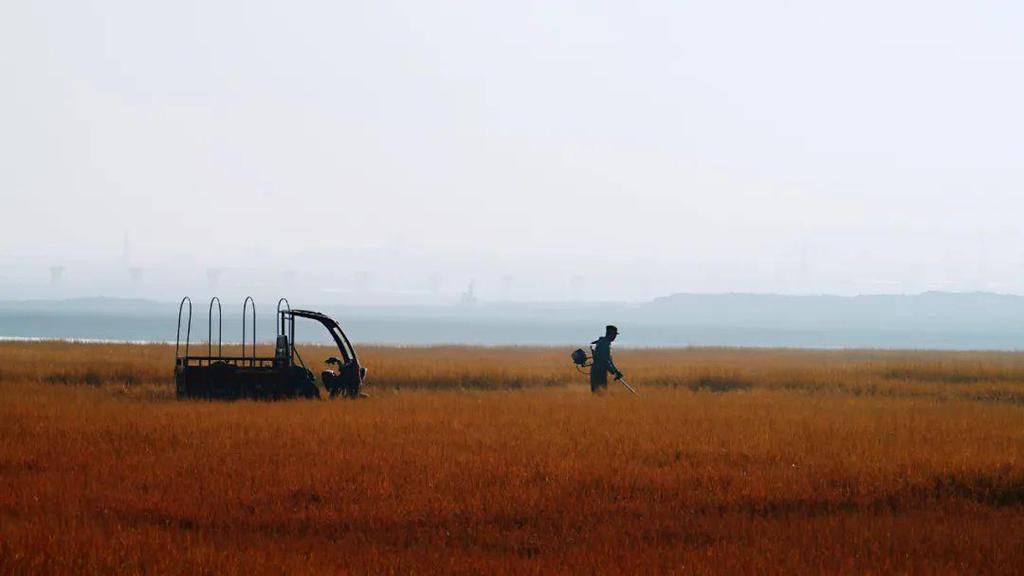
(577, 286)
(468, 298)
(213, 276)
(360, 281)
(56, 275)
(126, 248)
(435, 282)
(508, 283)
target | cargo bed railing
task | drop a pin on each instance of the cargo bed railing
(237, 361)
(247, 358)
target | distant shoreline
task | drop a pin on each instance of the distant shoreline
(43, 339)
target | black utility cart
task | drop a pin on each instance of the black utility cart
(283, 375)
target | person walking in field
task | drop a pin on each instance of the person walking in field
(603, 365)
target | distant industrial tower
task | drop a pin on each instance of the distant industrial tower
(56, 275)
(213, 277)
(468, 297)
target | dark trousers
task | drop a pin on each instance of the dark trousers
(598, 379)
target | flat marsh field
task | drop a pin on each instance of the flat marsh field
(499, 460)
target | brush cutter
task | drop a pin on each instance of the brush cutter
(628, 387)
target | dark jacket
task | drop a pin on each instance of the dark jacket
(603, 364)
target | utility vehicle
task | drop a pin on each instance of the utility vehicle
(283, 375)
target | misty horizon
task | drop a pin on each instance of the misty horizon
(586, 151)
(360, 288)
(934, 320)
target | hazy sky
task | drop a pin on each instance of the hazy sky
(545, 149)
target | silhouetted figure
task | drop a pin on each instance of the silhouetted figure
(603, 364)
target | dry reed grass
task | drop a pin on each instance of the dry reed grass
(470, 460)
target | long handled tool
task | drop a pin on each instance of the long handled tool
(628, 387)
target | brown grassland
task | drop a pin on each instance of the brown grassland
(498, 460)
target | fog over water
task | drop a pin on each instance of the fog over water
(932, 320)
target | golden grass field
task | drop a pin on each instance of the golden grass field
(499, 460)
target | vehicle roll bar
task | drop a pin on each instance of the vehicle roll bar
(220, 328)
(282, 329)
(245, 308)
(188, 332)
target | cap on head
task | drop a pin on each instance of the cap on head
(610, 330)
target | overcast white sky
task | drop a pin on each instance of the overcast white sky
(545, 149)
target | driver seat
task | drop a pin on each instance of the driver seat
(281, 352)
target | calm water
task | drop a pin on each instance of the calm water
(370, 329)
